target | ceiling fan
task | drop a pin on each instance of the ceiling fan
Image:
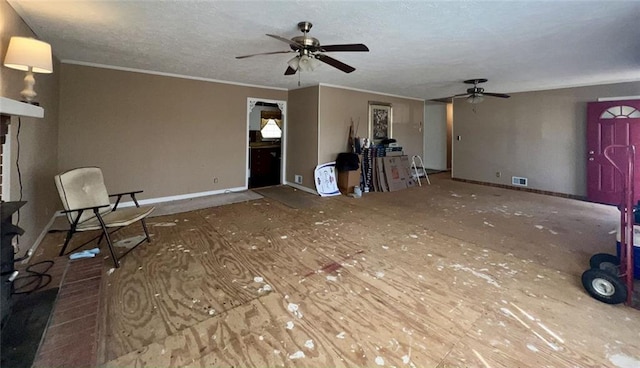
(476, 94)
(309, 52)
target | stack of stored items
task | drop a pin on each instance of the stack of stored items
(393, 151)
(391, 147)
(348, 166)
(382, 173)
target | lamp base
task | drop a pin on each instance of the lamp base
(34, 103)
(28, 94)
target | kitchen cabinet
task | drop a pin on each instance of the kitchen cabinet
(264, 164)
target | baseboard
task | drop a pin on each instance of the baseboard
(181, 196)
(523, 189)
(131, 204)
(300, 187)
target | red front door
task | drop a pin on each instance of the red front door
(611, 122)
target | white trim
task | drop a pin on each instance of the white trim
(247, 169)
(622, 98)
(319, 132)
(144, 71)
(573, 85)
(367, 91)
(283, 141)
(424, 133)
(6, 165)
(181, 196)
(300, 187)
(40, 238)
(17, 108)
(131, 204)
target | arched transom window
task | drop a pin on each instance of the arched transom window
(620, 112)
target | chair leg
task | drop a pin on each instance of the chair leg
(113, 252)
(106, 235)
(146, 232)
(66, 242)
(100, 238)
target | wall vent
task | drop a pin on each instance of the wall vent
(519, 181)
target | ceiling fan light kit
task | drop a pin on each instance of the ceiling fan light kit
(304, 63)
(474, 99)
(477, 94)
(311, 53)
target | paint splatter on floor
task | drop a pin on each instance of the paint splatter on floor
(297, 355)
(483, 276)
(623, 361)
(164, 224)
(309, 344)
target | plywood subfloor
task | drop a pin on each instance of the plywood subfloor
(447, 275)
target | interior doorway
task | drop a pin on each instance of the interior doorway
(266, 135)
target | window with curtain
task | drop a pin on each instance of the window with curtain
(271, 128)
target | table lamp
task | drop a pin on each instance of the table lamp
(32, 56)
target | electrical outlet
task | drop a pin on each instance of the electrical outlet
(498, 174)
(215, 180)
(297, 179)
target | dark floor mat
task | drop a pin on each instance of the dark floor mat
(289, 196)
(23, 331)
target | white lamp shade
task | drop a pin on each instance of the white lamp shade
(26, 52)
(474, 99)
(308, 63)
(305, 63)
(294, 62)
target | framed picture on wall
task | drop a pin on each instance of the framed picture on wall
(380, 121)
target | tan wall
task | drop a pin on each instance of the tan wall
(339, 106)
(302, 135)
(167, 136)
(539, 135)
(38, 137)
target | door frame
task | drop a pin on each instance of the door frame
(282, 105)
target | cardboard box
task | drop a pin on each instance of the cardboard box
(347, 180)
(395, 173)
(404, 161)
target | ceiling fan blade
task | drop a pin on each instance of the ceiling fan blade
(501, 95)
(335, 63)
(462, 94)
(290, 42)
(289, 71)
(345, 47)
(264, 53)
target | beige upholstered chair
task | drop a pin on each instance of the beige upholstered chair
(87, 207)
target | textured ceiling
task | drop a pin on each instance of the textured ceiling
(418, 49)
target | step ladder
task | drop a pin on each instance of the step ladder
(415, 168)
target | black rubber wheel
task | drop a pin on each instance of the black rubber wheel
(605, 261)
(604, 286)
